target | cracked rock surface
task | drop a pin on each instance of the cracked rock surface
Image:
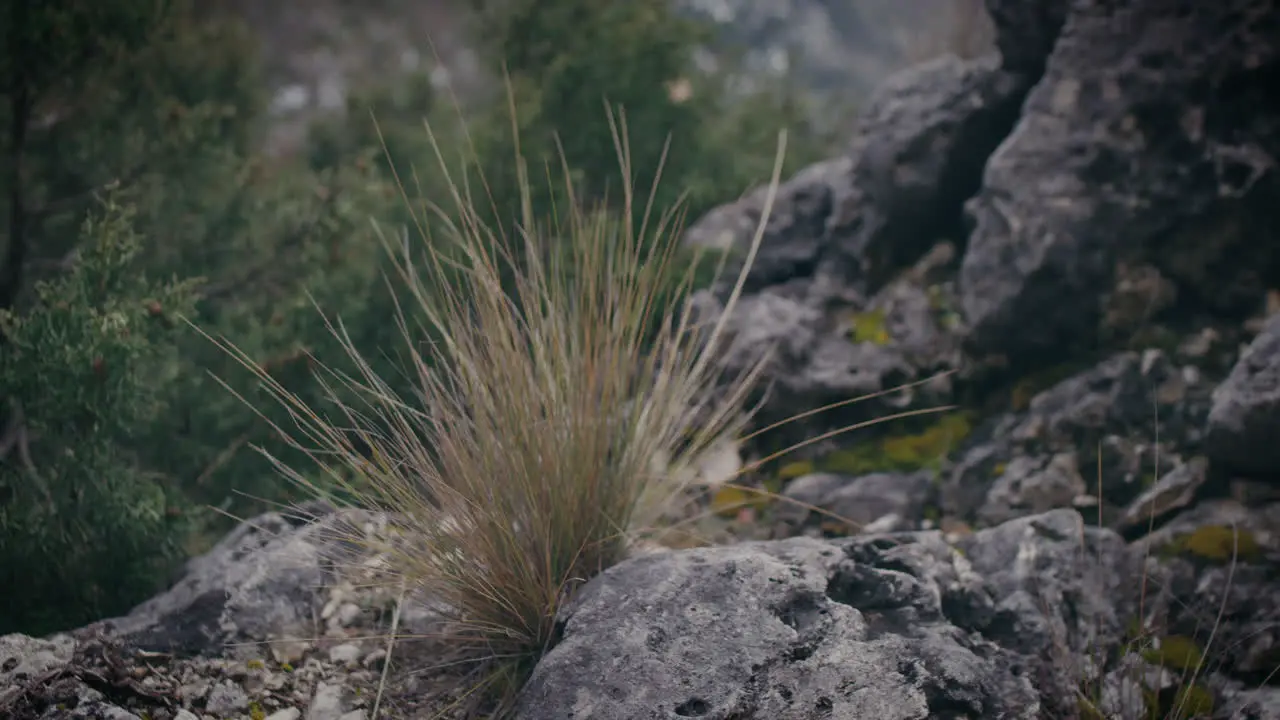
(892, 627)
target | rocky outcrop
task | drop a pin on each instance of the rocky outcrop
(1103, 311)
(838, 232)
(1245, 420)
(1081, 232)
(1094, 440)
(1026, 32)
(1150, 139)
(280, 620)
(887, 627)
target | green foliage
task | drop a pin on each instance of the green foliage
(164, 115)
(569, 60)
(157, 110)
(87, 367)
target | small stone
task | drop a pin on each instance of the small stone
(326, 703)
(285, 714)
(289, 652)
(330, 608)
(348, 613)
(375, 659)
(1200, 344)
(227, 699)
(197, 688)
(346, 653)
(275, 681)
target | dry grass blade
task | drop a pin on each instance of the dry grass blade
(521, 465)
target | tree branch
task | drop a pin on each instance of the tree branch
(16, 436)
(19, 112)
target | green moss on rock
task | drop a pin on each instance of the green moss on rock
(1176, 652)
(870, 327)
(902, 453)
(793, 470)
(1218, 543)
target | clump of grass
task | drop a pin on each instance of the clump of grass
(523, 463)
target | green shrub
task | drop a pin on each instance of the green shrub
(164, 115)
(569, 60)
(87, 367)
(572, 68)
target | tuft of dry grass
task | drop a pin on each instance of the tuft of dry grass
(523, 462)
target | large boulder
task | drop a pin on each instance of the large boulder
(267, 578)
(280, 617)
(1151, 137)
(1244, 425)
(840, 232)
(895, 626)
(1098, 438)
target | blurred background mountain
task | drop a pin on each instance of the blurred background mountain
(317, 51)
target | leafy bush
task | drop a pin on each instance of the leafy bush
(87, 367)
(163, 115)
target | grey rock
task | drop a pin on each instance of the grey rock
(1134, 147)
(1062, 592)
(93, 707)
(1030, 486)
(796, 232)
(345, 653)
(226, 698)
(895, 626)
(1210, 577)
(814, 357)
(1250, 703)
(859, 500)
(1048, 455)
(1175, 490)
(23, 658)
(1026, 31)
(1244, 423)
(328, 703)
(33, 668)
(265, 579)
(861, 234)
(920, 147)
